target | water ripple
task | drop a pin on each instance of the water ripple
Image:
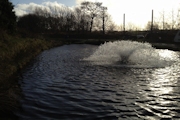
(59, 85)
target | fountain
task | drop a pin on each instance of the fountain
(131, 53)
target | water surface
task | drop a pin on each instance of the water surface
(117, 80)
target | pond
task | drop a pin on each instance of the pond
(116, 80)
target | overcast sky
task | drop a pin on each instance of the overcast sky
(137, 12)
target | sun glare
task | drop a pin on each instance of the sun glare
(139, 12)
(162, 82)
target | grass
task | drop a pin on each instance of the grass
(15, 53)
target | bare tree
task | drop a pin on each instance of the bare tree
(172, 20)
(161, 20)
(167, 21)
(78, 15)
(155, 26)
(81, 20)
(43, 15)
(103, 15)
(92, 9)
(131, 26)
(111, 26)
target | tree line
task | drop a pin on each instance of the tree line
(7, 16)
(88, 17)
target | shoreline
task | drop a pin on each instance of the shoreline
(15, 56)
(158, 45)
(169, 46)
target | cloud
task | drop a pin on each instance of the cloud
(22, 9)
(78, 2)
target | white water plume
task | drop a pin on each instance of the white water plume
(129, 53)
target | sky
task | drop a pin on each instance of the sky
(137, 12)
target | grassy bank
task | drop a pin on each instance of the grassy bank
(15, 54)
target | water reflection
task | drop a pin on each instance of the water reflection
(159, 99)
(161, 92)
(162, 81)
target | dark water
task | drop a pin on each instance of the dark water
(60, 84)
